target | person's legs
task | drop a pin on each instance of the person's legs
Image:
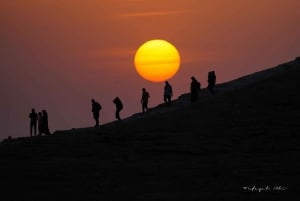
(31, 127)
(169, 100)
(118, 114)
(47, 132)
(96, 117)
(34, 127)
(145, 107)
(40, 130)
(165, 99)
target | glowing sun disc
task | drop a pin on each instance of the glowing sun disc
(157, 60)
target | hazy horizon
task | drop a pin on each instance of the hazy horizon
(59, 55)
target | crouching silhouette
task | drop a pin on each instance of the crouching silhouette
(119, 106)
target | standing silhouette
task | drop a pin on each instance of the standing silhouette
(211, 81)
(45, 122)
(168, 93)
(96, 107)
(144, 100)
(119, 106)
(214, 78)
(195, 89)
(40, 123)
(33, 121)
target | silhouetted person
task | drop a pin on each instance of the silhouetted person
(214, 78)
(144, 100)
(195, 89)
(96, 107)
(211, 81)
(33, 121)
(168, 93)
(40, 123)
(119, 107)
(45, 122)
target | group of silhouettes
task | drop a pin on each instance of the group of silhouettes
(195, 89)
(96, 107)
(41, 119)
(168, 93)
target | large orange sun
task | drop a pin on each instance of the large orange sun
(157, 60)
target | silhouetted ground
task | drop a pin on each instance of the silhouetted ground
(246, 135)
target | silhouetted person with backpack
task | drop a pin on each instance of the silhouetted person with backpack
(119, 107)
(144, 100)
(195, 89)
(168, 93)
(33, 121)
(96, 107)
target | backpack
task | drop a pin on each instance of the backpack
(98, 106)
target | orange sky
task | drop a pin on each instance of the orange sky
(57, 55)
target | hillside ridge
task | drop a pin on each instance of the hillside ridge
(246, 135)
(184, 99)
(221, 88)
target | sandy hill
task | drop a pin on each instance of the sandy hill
(229, 146)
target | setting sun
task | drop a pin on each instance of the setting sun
(157, 60)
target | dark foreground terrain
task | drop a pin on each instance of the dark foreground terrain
(241, 144)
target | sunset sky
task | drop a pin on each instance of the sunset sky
(57, 55)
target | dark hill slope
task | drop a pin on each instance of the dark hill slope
(247, 135)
